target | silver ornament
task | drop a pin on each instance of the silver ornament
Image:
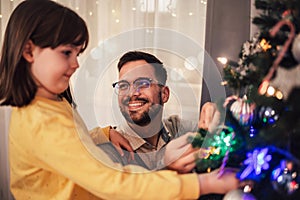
(243, 111)
(238, 195)
(296, 48)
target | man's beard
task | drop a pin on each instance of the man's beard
(144, 118)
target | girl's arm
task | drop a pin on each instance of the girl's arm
(109, 134)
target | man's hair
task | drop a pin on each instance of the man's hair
(160, 71)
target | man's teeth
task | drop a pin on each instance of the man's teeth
(135, 104)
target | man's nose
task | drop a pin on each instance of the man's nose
(133, 90)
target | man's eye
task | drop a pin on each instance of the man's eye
(143, 84)
(123, 86)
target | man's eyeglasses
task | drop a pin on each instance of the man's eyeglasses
(122, 87)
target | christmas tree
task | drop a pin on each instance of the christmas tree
(260, 134)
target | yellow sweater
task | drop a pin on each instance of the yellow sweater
(52, 156)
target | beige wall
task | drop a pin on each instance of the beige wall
(227, 28)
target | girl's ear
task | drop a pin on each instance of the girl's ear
(27, 52)
(165, 94)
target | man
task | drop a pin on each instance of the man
(142, 93)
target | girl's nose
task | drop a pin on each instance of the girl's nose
(74, 63)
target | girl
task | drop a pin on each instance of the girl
(52, 156)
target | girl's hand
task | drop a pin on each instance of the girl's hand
(119, 141)
(212, 183)
(180, 155)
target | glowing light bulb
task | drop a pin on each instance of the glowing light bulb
(271, 91)
(263, 87)
(222, 60)
(279, 95)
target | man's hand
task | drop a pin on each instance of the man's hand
(209, 117)
(119, 141)
(180, 155)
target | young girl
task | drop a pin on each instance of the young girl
(52, 155)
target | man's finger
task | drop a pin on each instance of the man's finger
(190, 150)
(119, 149)
(189, 158)
(182, 141)
(189, 167)
(128, 147)
(183, 157)
(215, 121)
(207, 114)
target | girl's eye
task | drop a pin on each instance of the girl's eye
(67, 53)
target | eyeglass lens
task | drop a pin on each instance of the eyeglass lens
(123, 87)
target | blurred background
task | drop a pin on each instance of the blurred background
(197, 33)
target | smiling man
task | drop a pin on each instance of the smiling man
(142, 93)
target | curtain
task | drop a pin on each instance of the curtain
(172, 30)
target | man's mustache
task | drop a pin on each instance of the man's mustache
(128, 99)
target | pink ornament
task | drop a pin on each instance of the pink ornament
(243, 111)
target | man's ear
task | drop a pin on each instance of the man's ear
(27, 52)
(165, 94)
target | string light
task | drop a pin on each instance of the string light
(266, 89)
(270, 91)
(263, 87)
(278, 95)
(222, 60)
(265, 45)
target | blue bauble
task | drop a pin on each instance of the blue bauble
(285, 178)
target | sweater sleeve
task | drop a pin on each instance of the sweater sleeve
(63, 146)
(100, 135)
